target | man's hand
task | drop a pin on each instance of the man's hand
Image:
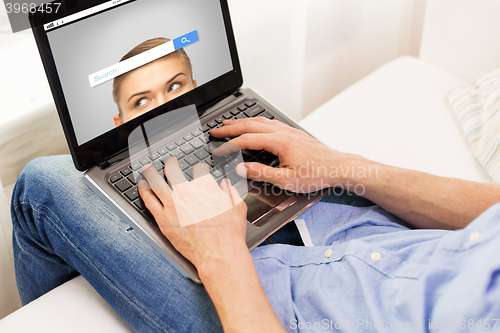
(306, 165)
(203, 221)
(207, 223)
(423, 200)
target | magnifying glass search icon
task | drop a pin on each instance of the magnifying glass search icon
(186, 40)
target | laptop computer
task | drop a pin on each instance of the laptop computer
(138, 81)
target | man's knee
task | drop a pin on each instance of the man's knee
(49, 167)
(44, 174)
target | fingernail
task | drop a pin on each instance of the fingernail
(146, 167)
(241, 170)
(228, 121)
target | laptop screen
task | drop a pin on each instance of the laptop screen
(123, 58)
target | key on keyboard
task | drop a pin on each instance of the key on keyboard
(190, 149)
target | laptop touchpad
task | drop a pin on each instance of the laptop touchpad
(264, 201)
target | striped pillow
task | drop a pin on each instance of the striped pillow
(477, 108)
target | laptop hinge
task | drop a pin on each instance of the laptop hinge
(219, 103)
(120, 156)
(104, 165)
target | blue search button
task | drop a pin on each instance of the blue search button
(186, 40)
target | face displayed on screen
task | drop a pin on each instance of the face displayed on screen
(153, 84)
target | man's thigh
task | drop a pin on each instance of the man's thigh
(54, 210)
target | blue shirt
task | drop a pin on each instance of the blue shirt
(369, 272)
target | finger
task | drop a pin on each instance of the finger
(156, 183)
(264, 173)
(233, 128)
(231, 191)
(273, 122)
(150, 200)
(270, 142)
(200, 170)
(226, 149)
(173, 171)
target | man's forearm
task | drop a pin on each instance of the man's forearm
(425, 200)
(234, 287)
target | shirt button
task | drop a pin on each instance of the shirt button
(475, 236)
(375, 256)
(328, 253)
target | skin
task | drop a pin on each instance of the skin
(152, 85)
(217, 245)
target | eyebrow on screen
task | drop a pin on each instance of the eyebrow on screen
(148, 91)
(175, 77)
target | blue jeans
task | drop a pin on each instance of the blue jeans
(62, 229)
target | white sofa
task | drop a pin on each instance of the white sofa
(397, 115)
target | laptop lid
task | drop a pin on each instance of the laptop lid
(113, 65)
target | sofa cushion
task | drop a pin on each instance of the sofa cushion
(477, 108)
(398, 115)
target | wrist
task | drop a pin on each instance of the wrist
(232, 258)
(353, 173)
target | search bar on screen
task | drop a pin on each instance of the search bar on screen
(186, 40)
(142, 59)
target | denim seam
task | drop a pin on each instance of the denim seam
(99, 271)
(13, 208)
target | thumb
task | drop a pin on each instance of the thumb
(264, 173)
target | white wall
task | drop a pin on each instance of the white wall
(299, 54)
(270, 36)
(451, 39)
(4, 21)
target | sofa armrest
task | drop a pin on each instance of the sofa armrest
(8, 290)
(72, 307)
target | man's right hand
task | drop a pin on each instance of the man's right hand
(306, 165)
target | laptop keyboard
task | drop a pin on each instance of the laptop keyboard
(190, 149)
